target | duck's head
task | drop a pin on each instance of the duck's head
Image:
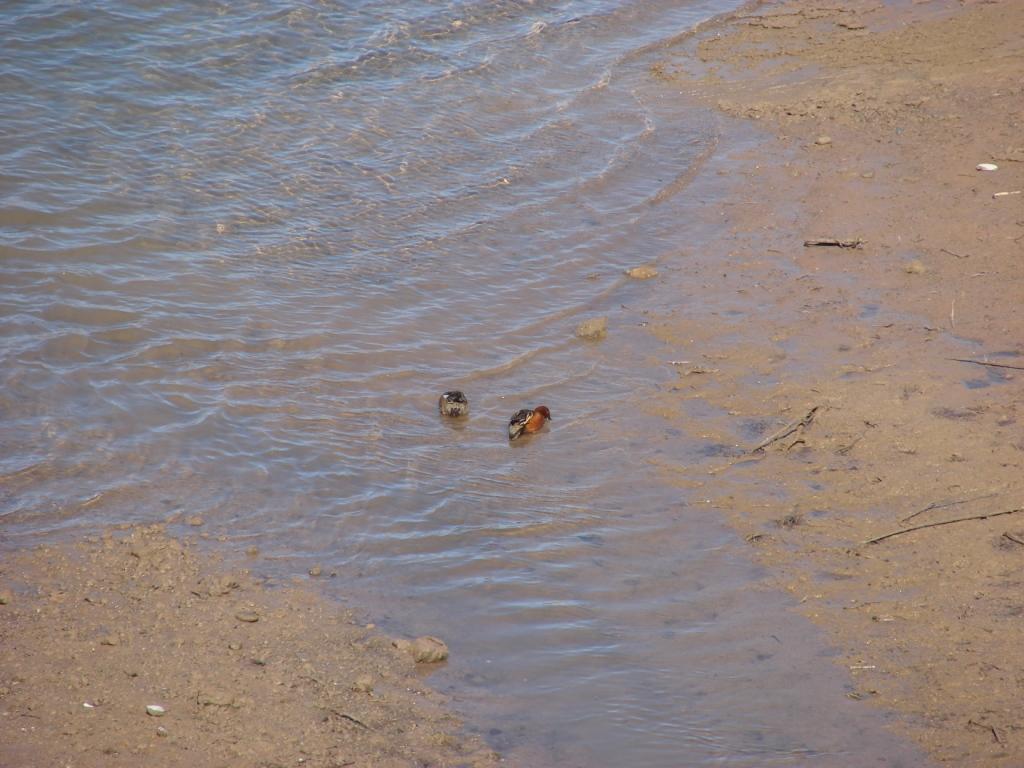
(543, 411)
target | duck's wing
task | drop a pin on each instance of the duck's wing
(517, 423)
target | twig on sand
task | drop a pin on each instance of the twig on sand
(350, 719)
(835, 242)
(787, 430)
(943, 522)
(942, 504)
(985, 362)
(1011, 537)
(991, 729)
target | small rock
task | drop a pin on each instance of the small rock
(110, 640)
(213, 698)
(916, 267)
(594, 329)
(161, 731)
(155, 710)
(987, 167)
(363, 684)
(6, 597)
(218, 587)
(252, 551)
(234, 646)
(316, 570)
(643, 272)
(823, 141)
(424, 650)
(250, 617)
(195, 520)
(868, 175)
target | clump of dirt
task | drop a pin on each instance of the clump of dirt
(131, 649)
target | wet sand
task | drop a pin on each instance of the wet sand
(850, 347)
(846, 357)
(92, 636)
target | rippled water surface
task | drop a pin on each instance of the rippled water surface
(243, 247)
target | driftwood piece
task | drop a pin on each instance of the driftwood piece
(835, 242)
(787, 430)
(942, 522)
(943, 504)
(986, 363)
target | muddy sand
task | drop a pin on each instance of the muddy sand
(843, 394)
(882, 380)
(94, 636)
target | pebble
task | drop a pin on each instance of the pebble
(214, 698)
(155, 710)
(363, 684)
(234, 646)
(248, 616)
(424, 650)
(316, 570)
(161, 731)
(823, 141)
(110, 640)
(6, 597)
(916, 267)
(643, 272)
(195, 520)
(987, 167)
(594, 329)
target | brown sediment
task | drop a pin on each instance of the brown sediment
(93, 636)
(876, 117)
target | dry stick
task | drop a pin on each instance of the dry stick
(991, 729)
(835, 242)
(787, 430)
(983, 362)
(943, 522)
(942, 504)
(351, 719)
(1011, 537)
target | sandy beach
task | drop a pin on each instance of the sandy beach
(131, 648)
(884, 385)
(878, 274)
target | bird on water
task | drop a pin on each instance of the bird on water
(528, 421)
(453, 403)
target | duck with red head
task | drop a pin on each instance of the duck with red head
(528, 421)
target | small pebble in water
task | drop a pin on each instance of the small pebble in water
(642, 272)
(594, 329)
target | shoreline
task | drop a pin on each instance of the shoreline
(881, 363)
(131, 646)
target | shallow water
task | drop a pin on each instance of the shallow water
(246, 245)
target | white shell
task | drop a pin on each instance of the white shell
(987, 167)
(155, 710)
